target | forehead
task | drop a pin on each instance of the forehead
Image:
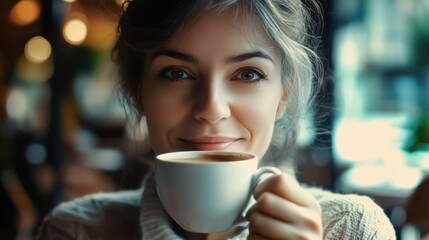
(228, 29)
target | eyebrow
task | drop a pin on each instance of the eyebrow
(245, 56)
(174, 54)
(233, 59)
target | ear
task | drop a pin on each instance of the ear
(281, 107)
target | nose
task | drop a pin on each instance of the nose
(211, 104)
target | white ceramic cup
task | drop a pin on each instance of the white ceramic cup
(207, 191)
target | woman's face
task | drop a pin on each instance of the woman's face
(215, 86)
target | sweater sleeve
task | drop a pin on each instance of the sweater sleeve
(353, 217)
(97, 216)
(71, 220)
(57, 228)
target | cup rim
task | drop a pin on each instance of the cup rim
(166, 157)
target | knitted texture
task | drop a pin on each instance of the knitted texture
(139, 215)
(352, 217)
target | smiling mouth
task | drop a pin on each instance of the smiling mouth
(209, 143)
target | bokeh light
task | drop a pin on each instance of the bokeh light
(75, 31)
(101, 33)
(37, 49)
(25, 12)
(34, 72)
(17, 104)
(36, 153)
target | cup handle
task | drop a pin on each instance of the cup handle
(257, 177)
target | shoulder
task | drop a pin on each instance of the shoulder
(95, 216)
(350, 216)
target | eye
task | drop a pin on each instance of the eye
(174, 73)
(249, 75)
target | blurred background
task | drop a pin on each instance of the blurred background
(64, 134)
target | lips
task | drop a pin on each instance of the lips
(209, 143)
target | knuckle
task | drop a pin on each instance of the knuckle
(305, 235)
(315, 206)
(279, 182)
(264, 200)
(318, 208)
(313, 224)
(253, 219)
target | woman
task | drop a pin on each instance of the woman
(220, 75)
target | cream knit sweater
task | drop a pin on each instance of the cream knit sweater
(139, 215)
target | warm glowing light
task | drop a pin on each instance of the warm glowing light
(120, 2)
(17, 104)
(75, 31)
(37, 49)
(34, 72)
(69, 1)
(100, 35)
(25, 12)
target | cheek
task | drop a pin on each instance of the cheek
(162, 105)
(259, 118)
(163, 113)
(261, 107)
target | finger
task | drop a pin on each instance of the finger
(255, 236)
(276, 207)
(286, 187)
(269, 228)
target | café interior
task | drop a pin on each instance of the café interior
(64, 131)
